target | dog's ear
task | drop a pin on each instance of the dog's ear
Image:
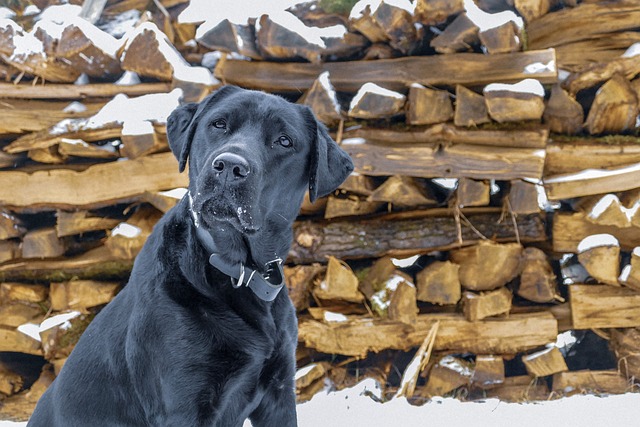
(329, 165)
(180, 132)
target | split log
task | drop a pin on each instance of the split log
(48, 155)
(78, 222)
(164, 200)
(459, 36)
(630, 276)
(71, 91)
(614, 109)
(488, 265)
(627, 67)
(563, 113)
(607, 210)
(277, 38)
(70, 189)
(486, 304)
(520, 389)
(501, 39)
(568, 155)
(358, 336)
(600, 256)
(433, 12)
(589, 382)
(428, 106)
(438, 283)
(467, 69)
(626, 345)
(386, 22)
(79, 148)
(323, 100)
(43, 243)
(19, 407)
(471, 109)
(140, 140)
(10, 382)
(10, 226)
(230, 37)
(488, 372)
(382, 299)
(15, 341)
(403, 305)
(358, 184)
(9, 250)
(513, 103)
(447, 375)
(570, 228)
(339, 283)
(531, 10)
(374, 102)
(537, 281)
(404, 191)
(523, 197)
(15, 314)
(471, 192)
(545, 362)
(400, 234)
(299, 280)
(350, 206)
(588, 303)
(19, 117)
(21, 292)
(377, 276)
(80, 295)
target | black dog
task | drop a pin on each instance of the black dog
(203, 333)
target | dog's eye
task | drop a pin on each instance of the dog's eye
(285, 141)
(219, 124)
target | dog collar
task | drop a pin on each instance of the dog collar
(266, 287)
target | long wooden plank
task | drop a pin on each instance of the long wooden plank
(98, 185)
(468, 69)
(569, 155)
(431, 160)
(570, 228)
(592, 181)
(71, 91)
(604, 306)
(358, 336)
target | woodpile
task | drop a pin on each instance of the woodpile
(489, 236)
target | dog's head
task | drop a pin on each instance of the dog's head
(251, 158)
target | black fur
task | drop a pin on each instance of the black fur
(179, 346)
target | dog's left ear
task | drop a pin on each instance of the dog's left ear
(330, 165)
(179, 132)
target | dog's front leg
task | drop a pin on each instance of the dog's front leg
(277, 408)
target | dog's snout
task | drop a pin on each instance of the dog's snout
(231, 164)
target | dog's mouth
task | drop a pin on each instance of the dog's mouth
(213, 212)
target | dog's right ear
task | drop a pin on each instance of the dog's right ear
(180, 132)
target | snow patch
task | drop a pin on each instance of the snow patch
(60, 13)
(405, 262)
(359, 8)
(128, 78)
(633, 50)
(176, 193)
(121, 24)
(323, 78)
(6, 13)
(330, 316)
(539, 67)
(304, 371)
(597, 240)
(589, 174)
(354, 141)
(143, 127)
(75, 107)
(486, 21)
(26, 45)
(636, 251)
(82, 80)
(32, 330)
(126, 230)
(447, 183)
(372, 88)
(524, 86)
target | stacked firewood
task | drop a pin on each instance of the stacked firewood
(490, 232)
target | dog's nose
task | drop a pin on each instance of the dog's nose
(231, 164)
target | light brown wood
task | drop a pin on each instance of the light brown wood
(614, 109)
(350, 206)
(630, 276)
(566, 186)
(402, 305)
(42, 243)
(488, 372)
(376, 276)
(606, 210)
(19, 407)
(299, 280)
(520, 389)
(323, 100)
(626, 345)
(339, 284)
(10, 382)
(69, 223)
(531, 10)
(22, 292)
(433, 12)
(358, 336)
(81, 53)
(81, 294)
(71, 91)
(358, 184)
(487, 265)
(138, 145)
(471, 110)
(501, 39)
(523, 197)
(602, 263)
(230, 37)
(447, 375)
(144, 56)
(590, 381)
(9, 250)
(562, 112)
(404, 191)
(79, 148)
(428, 106)
(568, 155)
(10, 226)
(372, 103)
(602, 306)
(570, 228)
(48, 155)
(459, 36)
(15, 314)
(438, 283)
(513, 106)
(478, 306)
(601, 72)
(15, 341)
(387, 286)
(312, 373)
(537, 280)
(545, 362)
(471, 192)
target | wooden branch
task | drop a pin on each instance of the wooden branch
(468, 69)
(602, 306)
(71, 91)
(576, 154)
(358, 336)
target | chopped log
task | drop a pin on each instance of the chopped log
(127, 238)
(402, 234)
(42, 243)
(21, 292)
(607, 210)
(486, 304)
(78, 222)
(576, 154)
(513, 103)
(230, 37)
(433, 12)
(487, 265)
(339, 283)
(402, 305)
(19, 407)
(563, 113)
(438, 283)
(10, 382)
(523, 197)
(570, 228)
(592, 181)
(48, 155)
(141, 140)
(323, 100)
(630, 276)
(520, 389)
(590, 382)
(471, 192)
(447, 375)
(358, 184)
(469, 69)
(374, 102)
(299, 280)
(79, 148)
(545, 362)
(9, 250)
(386, 23)
(537, 281)
(71, 91)
(164, 200)
(471, 109)
(531, 10)
(278, 37)
(600, 256)
(588, 303)
(459, 36)
(404, 191)
(501, 39)
(626, 346)
(19, 117)
(79, 295)
(358, 336)
(597, 73)
(445, 160)
(70, 189)
(382, 300)
(307, 375)
(377, 276)
(428, 106)
(15, 314)
(15, 341)
(10, 226)
(350, 206)
(488, 372)
(614, 109)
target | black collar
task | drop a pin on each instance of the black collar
(266, 287)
